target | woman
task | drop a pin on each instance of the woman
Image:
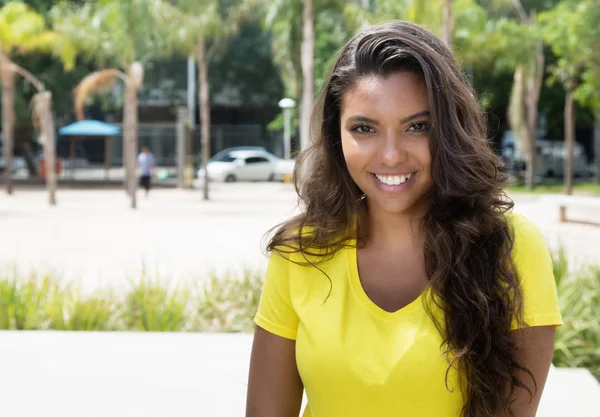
(406, 287)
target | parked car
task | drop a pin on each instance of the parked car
(550, 157)
(285, 170)
(245, 164)
(18, 163)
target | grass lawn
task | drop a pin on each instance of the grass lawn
(583, 188)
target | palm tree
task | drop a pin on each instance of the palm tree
(523, 45)
(291, 22)
(128, 32)
(198, 29)
(308, 74)
(570, 28)
(23, 31)
(448, 22)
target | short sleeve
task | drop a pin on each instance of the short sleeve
(534, 266)
(275, 311)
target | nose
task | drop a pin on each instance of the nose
(392, 151)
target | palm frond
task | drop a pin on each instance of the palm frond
(53, 43)
(18, 23)
(97, 82)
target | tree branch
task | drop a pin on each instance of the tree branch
(29, 77)
(213, 48)
(520, 11)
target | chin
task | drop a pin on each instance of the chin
(398, 205)
(396, 208)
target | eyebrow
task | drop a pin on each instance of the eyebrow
(363, 119)
(415, 116)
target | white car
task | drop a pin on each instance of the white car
(18, 163)
(245, 164)
(285, 170)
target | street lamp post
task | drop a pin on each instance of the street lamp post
(287, 104)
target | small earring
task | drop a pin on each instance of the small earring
(361, 198)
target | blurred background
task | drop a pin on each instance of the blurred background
(220, 92)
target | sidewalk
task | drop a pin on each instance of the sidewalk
(94, 237)
(68, 374)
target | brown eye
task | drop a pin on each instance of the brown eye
(419, 127)
(362, 129)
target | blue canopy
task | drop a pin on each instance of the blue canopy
(89, 128)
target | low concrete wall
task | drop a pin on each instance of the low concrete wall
(74, 374)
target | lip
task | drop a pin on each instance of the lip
(393, 188)
(393, 174)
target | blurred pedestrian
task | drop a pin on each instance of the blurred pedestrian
(146, 163)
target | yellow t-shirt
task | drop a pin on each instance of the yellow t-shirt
(357, 360)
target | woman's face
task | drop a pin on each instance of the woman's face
(385, 128)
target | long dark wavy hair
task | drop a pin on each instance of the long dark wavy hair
(468, 237)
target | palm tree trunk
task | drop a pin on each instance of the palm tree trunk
(47, 128)
(570, 141)
(8, 117)
(130, 137)
(448, 22)
(532, 97)
(126, 122)
(204, 108)
(597, 143)
(517, 116)
(307, 55)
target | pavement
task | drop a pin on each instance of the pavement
(87, 374)
(94, 237)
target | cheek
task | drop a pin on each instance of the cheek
(423, 153)
(351, 152)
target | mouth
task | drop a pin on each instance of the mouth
(393, 182)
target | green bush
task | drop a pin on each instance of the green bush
(23, 299)
(229, 304)
(560, 265)
(154, 307)
(578, 341)
(217, 304)
(69, 309)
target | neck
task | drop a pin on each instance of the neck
(395, 231)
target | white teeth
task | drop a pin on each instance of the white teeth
(393, 179)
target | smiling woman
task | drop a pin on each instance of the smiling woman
(405, 287)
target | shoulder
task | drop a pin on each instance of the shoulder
(533, 263)
(528, 238)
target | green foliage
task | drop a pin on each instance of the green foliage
(245, 63)
(43, 302)
(22, 300)
(227, 303)
(69, 309)
(583, 188)
(560, 265)
(23, 31)
(152, 306)
(121, 31)
(282, 19)
(331, 33)
(578, 341)
(571, 30)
